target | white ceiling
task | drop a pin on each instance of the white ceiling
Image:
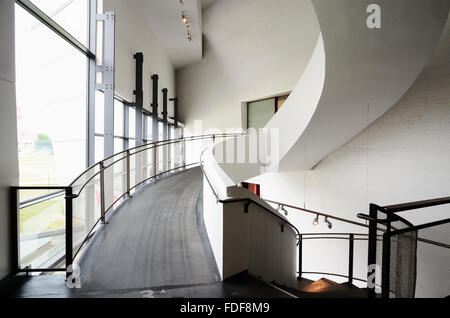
(164, 17)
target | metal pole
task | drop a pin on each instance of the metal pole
(350, 258)
(175, 110)
(128, 173)
(90, 144)
(139, 93)
(386, 270)
(69, 228)
(154, 162)
(102, 192)
(15, 230)
(300, 256)
(372, 246)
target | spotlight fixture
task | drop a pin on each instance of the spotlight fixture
(184, 19)
(316, 220)
(281, 209)
(189, 36)
(329, 224)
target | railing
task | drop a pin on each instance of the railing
(350, 237)
(87, 201)
(396, 230)
(248, 202)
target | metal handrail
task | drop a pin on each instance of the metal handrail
(390, 231)
(128, 153)
(96, 170)
(317, 213)
(117, 200)
(249, 200)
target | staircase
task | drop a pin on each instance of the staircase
(324, 288)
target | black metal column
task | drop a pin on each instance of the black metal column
(165, 114)
(14, 228)
(372, 248)
(69, 228)
(155, 130)
(386, 266)
(350, 258)
(139, 93)
(175, 110)
(300, 256)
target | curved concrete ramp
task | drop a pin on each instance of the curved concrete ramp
(155, 239)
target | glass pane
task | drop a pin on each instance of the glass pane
(42, 234)
(70, 15)
(118, 118)
(99, 112)
(259, 113)
(99, 148)
(149, 128)
(118, 145)
(51, 104)
(131, 143)
(132, 128)
(161, 131)
(86, 209)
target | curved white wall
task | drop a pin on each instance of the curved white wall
(252, 49)
(367, 70)
(403, 156)
(366, 74)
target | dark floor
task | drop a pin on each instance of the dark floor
(154, 246)
(53, 286)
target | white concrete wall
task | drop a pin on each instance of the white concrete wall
(240, 241)
(252, 49)
(9, 171)
(403, 156)
(134, 34)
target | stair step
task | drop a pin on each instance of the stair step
(323, 285)
(344, 290)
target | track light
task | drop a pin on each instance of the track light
(281, 209)
(184, 19)
(189, 36)
(316, 220)
(329, 224)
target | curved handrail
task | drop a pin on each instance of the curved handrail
(107, 211)
(126, 155)
(150, 146)
(249, 200)
(317, 213)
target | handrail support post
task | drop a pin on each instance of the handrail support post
(300, 257)
(102, 192)
(128, 173)
(69, 229)
(350, 258)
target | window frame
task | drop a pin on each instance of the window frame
(275, 104)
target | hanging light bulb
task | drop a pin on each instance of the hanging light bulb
(184, 19)
(316, 220)
(329, 224)
(282, 210)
